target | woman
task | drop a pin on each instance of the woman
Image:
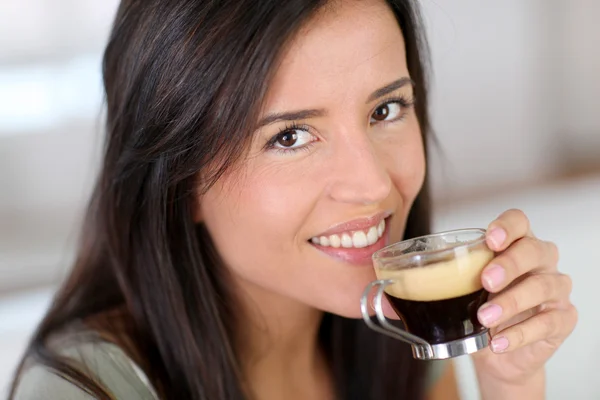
(252, 146)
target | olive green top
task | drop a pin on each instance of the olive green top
(110, 366)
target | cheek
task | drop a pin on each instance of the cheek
(410, 172)
(255, 221)
(405, 161)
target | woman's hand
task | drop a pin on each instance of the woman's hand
(529, 312)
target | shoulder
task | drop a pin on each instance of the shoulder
(39, 382)
(104, 362)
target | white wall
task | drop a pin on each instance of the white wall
(34, 29)
(515, 91)
(45, 182)
(580, 97)
(492, 104)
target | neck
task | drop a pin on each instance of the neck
(277, 345)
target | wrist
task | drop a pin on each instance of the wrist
(531, 388)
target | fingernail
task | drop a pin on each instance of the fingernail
(497, 236)
(493, 276)
(488, 314)
(499, 344)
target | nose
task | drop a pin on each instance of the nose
(359, 173)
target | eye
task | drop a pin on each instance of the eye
(292, 138)
(387, 111)
(390, 111)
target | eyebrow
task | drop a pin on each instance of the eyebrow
(315, 113)
(387, 89)
(291, 116)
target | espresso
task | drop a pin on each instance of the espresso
(441, 321)
(439, 302)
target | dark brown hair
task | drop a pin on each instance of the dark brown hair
(184, 82)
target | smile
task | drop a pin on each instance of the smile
(354, 242)
(357, 239)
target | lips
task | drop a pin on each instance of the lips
(355, 241)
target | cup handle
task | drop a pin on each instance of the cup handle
(384, 326)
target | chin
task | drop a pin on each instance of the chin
(343, 297)
(347, 307)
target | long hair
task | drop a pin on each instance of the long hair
(184, 81)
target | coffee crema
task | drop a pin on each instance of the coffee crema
(454, 277)
(439, 302)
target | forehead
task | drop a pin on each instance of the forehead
(347, 50)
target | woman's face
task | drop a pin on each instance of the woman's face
(339, 156)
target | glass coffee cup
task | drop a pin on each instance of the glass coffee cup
(433, 283)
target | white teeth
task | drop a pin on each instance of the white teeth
(381, 228)
(359, 239)
(355, 239)
(335, 241)
(372, 236)
(346, 241)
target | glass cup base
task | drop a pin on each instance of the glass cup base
(456, 348)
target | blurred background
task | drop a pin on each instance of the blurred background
(515, 106)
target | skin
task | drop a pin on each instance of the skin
(262, 215)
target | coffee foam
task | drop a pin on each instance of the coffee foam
(442, 280)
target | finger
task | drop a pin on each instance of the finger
(533, 291)
(511, 225)
(550, 326)
(526, 255)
